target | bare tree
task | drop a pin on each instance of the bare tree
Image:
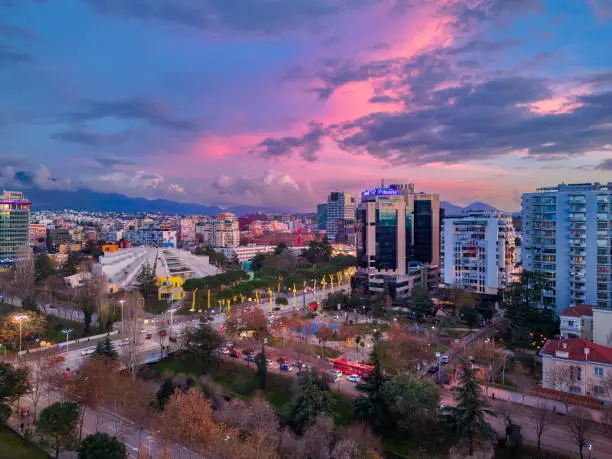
(133, 313)
(25, 276)
(44, 372)
(579, 423)
(543, 418)
(562, 378)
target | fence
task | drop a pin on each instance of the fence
(74, 341)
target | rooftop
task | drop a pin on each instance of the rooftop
(580, 310)
(574, 349)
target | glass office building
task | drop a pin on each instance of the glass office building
(14, 225)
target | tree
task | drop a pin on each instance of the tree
(318, 252)
(57, 424)
(133, 313)
(468, 416)
(282, 301)
(200, 346)
(262, 367)
(422, 305)
(102, 446)
(471, 316)
(579, 423)
(542, 418)
(324, 333)
(562, 378)
(258, 261)
(145, 282)
(25, 276)
(311, 400)
(13, 384)
(280, 248)
(106, 349)
(44, 267)
(71, 265)
(42, 376)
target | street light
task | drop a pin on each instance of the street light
(121, 302)
(67, 331)
(20, 319)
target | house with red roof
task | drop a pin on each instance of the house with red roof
(577, 322)
(578, 366)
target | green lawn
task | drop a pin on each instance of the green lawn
(329, 353)
(12, 447)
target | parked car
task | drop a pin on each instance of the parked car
(235, 353)
(124, 342)
(225, 350)
(285, 367)
(148, 336)
(163, 333)
(282, 361)
(444, 359)
(432, 370)
(57, 359)
(88, 350)
(268, 362)
(277, 308)
(250, 358)
(249, 351)
(353, 378)
(336, 372)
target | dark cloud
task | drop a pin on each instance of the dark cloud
(242, 16)
(483, 47)
(112, 162)
(331, 41)
(605, 165)
(468, 64)
(469, 14)
(382, 99)
(25, 178)
(9, 30)
(306, 146)
(88, 136)
(146, 109)
(9, 55)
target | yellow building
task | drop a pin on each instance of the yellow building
(110, 248)
(170, 288)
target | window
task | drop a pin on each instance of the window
(570, 323)
(599, 391)
(575, 390)
(598, 371)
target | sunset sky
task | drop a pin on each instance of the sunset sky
(278, 102)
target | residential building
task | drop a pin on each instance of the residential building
(577, 322)
(56, 237)
(602, 326)
(37, 234)
(14, 225)
(245, 252)
(322, 216)
(578, 366)
(478, 252)
(340, 216)
(187, 230)
(223, 231)
(567, 231)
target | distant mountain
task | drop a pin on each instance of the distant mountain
(85, 199)
(452, 209)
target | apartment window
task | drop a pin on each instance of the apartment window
(570, 323)
(575, 390)
(599, 391)
(598, 371)
(575, 374)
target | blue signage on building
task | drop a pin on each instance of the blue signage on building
(381, 192)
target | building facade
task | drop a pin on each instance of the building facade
(567, 231)
(245, 252)
(187, 230)
(322, 216)
(340, 217)
(577, 322)
(577, 366)
(478, 252)
(14, 225)
(57, 237)
(223, 231)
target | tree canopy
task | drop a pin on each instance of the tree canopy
(102, 446)
(13, 384)
(57, 424)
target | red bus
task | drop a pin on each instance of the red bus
(352, 368)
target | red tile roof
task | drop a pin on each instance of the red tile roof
(579, 310)
(575, 348)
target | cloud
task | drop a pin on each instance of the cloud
(9, 30)
(605, 165)
(88, 136)
(141, 108)
(112, 162)
(268, 17)
(305, 146)
(36, 176)
(602, 8)
(483, 47)
(272, 189)
(10, 56)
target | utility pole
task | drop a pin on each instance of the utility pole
(122, 302)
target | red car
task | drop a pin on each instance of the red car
(163, 333)
(235, 353)
(58, 359)
(282, 361)
(249, 351)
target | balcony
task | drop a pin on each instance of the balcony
(580, 243)
(577, 199)
(548, 293)
(577, 218)
(577, 226)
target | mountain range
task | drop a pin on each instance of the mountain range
(85, 199)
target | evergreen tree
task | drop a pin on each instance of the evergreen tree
(102, 446)
(312, 399)
(145, 281)
(370, 407)
(57, 423)
(262, 367)
(468, 417)
(71, 265)
(44, 267)
(106, 349)
(422, 304)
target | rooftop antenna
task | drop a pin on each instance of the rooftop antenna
(382, 183)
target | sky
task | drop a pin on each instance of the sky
(276, 103)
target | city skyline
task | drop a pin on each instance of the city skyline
(267, 104)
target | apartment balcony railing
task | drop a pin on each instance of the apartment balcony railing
(577, 243)
(548, 293)
(577, 218)
(572, 329)
(577, 199)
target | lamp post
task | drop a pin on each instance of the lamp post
(67, 331)
(20, 319)
(121, 302)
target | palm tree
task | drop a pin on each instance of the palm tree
(468, 416)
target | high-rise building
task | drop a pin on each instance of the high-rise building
(14, 225)
(340, 212)
(423, 228)
(223, 231)
(322, 216)
(478, 252)
(388, 231)
(567, 231)
(56, 237)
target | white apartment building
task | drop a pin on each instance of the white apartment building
(222, 232)
(578, 366)
(187, 230)
(478, 252)
(245, 252)
(567, 233)
(577, 322)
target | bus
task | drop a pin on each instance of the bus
(352, 368)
